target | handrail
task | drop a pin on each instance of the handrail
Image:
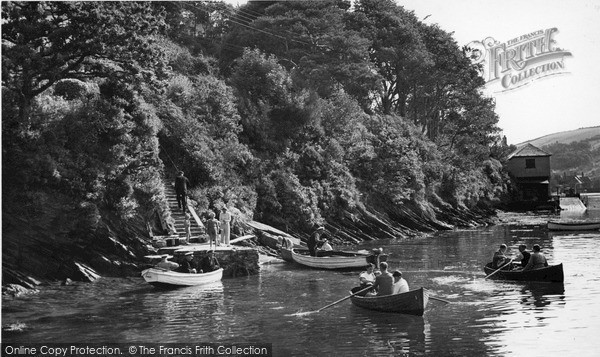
(196, 218)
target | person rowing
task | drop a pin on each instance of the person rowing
(500, 259)
(523, 256)
(366, 279)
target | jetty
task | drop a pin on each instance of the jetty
(235, 260)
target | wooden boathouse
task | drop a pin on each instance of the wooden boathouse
(529, 170)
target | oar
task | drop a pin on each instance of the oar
(333, 303)
(438, 299)
(497, 270)
(342, 299)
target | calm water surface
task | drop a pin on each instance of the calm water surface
(484, 318)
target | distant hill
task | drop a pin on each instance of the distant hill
(574, 152)
(567, 137)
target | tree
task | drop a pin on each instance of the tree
(311, 40)
(44, 42)
(397, 50)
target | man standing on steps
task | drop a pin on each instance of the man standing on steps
(181, 183)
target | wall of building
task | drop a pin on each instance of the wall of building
(517, 167)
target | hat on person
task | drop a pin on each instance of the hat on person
(164, 256)
(397, 273)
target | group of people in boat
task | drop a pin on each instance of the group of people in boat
(528, 260)
(189, 266)
(381, 282)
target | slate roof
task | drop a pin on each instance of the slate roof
(528, 151)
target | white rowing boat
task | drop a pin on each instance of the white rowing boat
(333, 259)
(169, 278)
(573, 225)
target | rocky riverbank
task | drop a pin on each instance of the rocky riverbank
(54, 244)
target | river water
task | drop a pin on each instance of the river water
(483, 318)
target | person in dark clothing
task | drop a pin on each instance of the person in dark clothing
(524, 255)
(188, 265)
(209, 262)
(314, 240)
(181, 183)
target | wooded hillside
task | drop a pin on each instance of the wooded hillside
(292, 113)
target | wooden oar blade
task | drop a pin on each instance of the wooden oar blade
(497, 270)
(300, 313)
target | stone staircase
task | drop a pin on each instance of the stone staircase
(197, 228)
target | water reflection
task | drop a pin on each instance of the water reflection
(484, 317)
(539, 294)
(392, 333)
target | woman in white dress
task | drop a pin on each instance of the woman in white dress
(225, 218)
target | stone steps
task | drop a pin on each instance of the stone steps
(197, 232)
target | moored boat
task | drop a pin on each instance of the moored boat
(286, 254)
(573, 225)
(168, 278)
(330, 259)
(413, 302)
(552, 273)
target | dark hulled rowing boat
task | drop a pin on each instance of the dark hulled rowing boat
(412, 302)
(552, 273)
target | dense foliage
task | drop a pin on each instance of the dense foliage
(293, 112)
(574, 156)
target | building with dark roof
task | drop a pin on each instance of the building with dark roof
(529, 168)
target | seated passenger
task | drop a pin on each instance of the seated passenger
(537, 259)
(326, 246)
(384, 283)
(209, 262)
(400, 285)
(188, 265)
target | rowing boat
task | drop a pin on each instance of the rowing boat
(286, 254)
(168, 278)
(329, 259)
(412, 302)
(552, 273)
(573, 225)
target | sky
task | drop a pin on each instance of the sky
(562, 102)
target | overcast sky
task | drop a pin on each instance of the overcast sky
(544, 106)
